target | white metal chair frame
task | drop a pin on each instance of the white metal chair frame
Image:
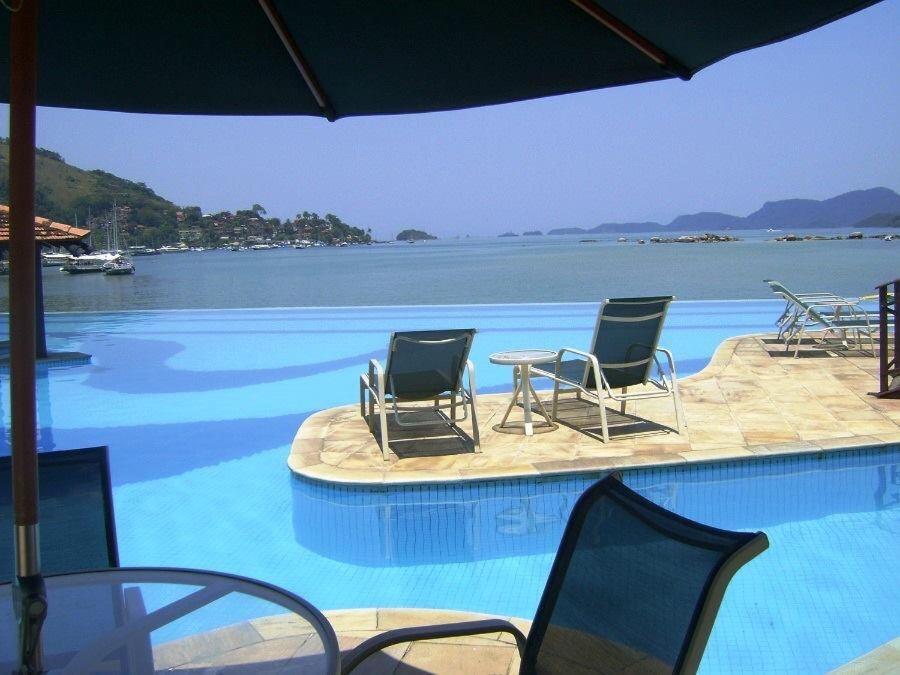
(666, 386)
(824, 313)
(373, 384)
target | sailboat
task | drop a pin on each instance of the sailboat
(120, 263)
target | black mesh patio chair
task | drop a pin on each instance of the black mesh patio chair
(634, 589)
(624, 353)
(423, 365)
(78, 534)
(78, 530)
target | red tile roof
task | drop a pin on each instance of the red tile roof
(45, 230)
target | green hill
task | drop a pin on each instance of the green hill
(63, 192)
(68, 194)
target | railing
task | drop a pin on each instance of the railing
(889, 366)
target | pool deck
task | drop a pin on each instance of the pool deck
(286, 644)
(750, 400)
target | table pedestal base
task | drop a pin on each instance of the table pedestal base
(522, 386)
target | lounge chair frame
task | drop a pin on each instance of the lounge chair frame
(664, 386)
(372, 392)
(824, 313)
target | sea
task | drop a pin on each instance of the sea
(485, 270)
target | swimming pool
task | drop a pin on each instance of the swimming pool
(199, 409)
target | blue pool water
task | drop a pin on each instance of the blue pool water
(199, 409)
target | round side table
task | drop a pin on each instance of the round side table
(521, 360)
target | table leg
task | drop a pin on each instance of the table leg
(540, 404)
(526, 395)
(513, 399)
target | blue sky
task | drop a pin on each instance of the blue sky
(811, 117)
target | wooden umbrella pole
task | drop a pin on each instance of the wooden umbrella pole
(30, 592)
(23, 90)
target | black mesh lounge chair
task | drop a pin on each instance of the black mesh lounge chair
(424, 365)
(634, 589)
(78, 534)
(623, 354)
(78, 530)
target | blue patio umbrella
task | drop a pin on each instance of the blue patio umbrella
(330, 58)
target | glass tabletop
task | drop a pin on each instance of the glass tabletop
(515, 357)
(145, 620)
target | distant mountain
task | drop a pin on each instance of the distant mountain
(567, 230)
(706, 222)
(876, 207)
(880, 220)
(625, 227)
(841, 211)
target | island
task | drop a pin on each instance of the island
(414, 235)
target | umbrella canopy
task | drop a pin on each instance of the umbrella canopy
(331, 58)
(344, 58)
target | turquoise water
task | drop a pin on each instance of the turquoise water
(199, 409)
(523, 269)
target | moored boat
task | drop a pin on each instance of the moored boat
(120, 265)
(86, 264)
(54, 259)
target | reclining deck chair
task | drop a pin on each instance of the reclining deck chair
(425, 365)
(623, 354)
(634, 589)
(823, 313)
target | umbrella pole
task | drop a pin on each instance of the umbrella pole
(31, 606)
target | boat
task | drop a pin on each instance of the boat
(622, 240)
(87, 264)
(120, 265)
(261, 247)
(181, 248)
(141, 250)
(54, 259)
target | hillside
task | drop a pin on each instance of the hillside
(64, 192)
(68, 194)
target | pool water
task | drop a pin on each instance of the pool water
(199, 408)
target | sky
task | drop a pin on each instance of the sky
(811, 117)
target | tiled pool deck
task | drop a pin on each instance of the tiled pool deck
(750, 400)
(286, 644)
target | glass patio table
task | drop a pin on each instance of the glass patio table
(521, 360)
(145, 620)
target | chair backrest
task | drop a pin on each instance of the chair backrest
(422, 364)
(780, 289)
(78, 530)
(625, 339)
(634, 587)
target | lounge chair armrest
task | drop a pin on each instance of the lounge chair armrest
(375, 367)
(376, 378)
(399, 635)
(587, 356)
(670, 359)
(470, 370)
